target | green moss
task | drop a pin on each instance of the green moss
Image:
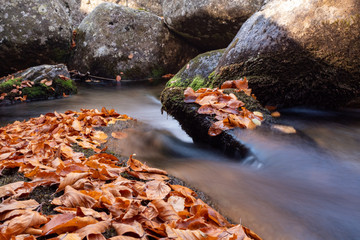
(8, 85)
(198, 82)
(64, 86)
(37, 92)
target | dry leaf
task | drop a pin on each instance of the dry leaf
(156, 189)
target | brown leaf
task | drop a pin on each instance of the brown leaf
(11, 204)
(173, 233)
(9, 189)
(95, 228)
(178, 203)
(76, 125)
(156, 189)
(19, 224)
(133, 227)
(166, 211)
(70, 179)
(74, 198)
(67, 222)
(190, 95)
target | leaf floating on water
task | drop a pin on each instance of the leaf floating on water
(285, 129)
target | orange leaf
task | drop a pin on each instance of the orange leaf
(70, 179)
(95, 228)
(133, 228)
(73, 198)
(156, 189)
(9, 189)
(190, 95)
(76, 125)
(166, 211)
(19, 224)
(11, 204)
(173, 233)
(66, 223)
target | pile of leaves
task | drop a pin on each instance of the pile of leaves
(95, 194)
(228, 110)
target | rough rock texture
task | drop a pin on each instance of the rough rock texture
(38, 73)
(32, 33)
(210, 24)
(196, 72)
(298, 52)
(79, 9)
(114, 39)
(43, 82)
(153, 6)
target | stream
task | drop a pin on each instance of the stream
(298, 187)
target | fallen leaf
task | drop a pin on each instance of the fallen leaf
(156, 189)
(134, 228)
(74, 198)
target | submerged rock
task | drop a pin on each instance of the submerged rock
(210, 24)
(298, 52)
(37, 83)
(114, 39)
(32, 33)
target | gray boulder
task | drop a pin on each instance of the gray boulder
(114, 39)
(32, 33)
(196, 72)
(79, 9)
(298, 52)
(210, 24)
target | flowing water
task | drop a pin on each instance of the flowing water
(304, 186)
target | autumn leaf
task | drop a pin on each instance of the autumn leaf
(156, 189)
(70, 179)
(73, 198)
(19, 224)
(173, 233)
(67, 222)
(95, 228)
(134, 228)
(166, 211)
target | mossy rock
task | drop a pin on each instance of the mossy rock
(37, 90)
(197, 125)
(197, 72)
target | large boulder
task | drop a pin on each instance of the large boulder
(32, 33)
(298, 52)
(197, 72)
(153, 6)
(114, 39)
(79, 9)
(210, 24)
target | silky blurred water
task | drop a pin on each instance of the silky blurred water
(304, 186)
